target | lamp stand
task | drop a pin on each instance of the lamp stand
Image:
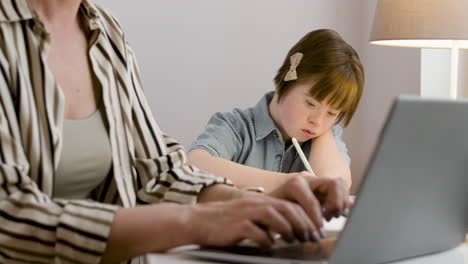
(454, 70)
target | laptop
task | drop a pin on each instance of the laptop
(412, 201)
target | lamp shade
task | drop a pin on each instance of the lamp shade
(421, 23)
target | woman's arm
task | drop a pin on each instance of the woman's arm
(326, 159)
(295, 215)
(241, 175)
(160, 227)
(149, 228)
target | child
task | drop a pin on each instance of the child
(318, 87)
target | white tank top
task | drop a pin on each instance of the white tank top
(86, 156)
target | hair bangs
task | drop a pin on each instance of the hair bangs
(340, 90)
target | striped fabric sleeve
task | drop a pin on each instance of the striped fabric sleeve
(33, 227)
(163, 173)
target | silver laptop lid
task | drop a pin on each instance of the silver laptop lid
(413, 199)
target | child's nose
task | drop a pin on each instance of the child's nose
(316, 117)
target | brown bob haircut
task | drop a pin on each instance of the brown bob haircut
(338, 68)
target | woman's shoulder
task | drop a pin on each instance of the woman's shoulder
(109, 20)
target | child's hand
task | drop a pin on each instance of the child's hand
(305, 174)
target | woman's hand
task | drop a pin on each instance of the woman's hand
(253, 217)
(319, 197)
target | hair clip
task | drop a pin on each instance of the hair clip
(295, 59)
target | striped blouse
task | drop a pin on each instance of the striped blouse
(147, 165)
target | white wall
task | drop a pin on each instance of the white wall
(199, 57)
(390, 71)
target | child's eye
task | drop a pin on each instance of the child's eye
(310, 103)
(333, 113)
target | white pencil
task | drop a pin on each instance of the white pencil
(303, 158)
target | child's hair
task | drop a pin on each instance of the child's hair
(326, 56)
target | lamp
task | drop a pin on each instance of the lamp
(423, 24)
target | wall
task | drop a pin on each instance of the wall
(199, 57)
(390, 71)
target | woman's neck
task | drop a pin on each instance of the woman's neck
(55, 13)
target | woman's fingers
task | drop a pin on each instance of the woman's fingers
(298, 190)
(347, 207)
(335, 196)
(296, 215)
(319, 197)
(269, 217)
(284, 217)
(253, 232)
(309, 231)
(302, 227)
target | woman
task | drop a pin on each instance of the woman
(87, 175)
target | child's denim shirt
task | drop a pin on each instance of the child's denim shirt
(250, 137)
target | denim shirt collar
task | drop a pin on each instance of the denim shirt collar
(263, 122)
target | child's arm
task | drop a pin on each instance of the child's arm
(241, 175)
(327, 160)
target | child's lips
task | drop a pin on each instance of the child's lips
(308, 133)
